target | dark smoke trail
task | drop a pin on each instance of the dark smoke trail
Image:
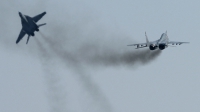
(92, 55)
(71, 61)
(107, 55)
(97, 55)
(56, 92)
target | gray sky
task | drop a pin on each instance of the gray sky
(167, 83)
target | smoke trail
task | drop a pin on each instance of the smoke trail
(109, 57)
(95, 55)
(56, 93)
(70, 61)
(106, 55)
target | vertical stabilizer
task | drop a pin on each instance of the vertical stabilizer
(167, 36)
(147, 39)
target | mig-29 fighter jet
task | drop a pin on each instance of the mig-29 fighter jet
(29, 25)
(161, 43)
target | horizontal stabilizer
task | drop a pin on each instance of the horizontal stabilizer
(41, 24)
(140, 47)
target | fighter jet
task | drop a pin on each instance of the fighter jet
(29, 25)
(161, 43)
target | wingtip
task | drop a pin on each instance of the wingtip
(44, 12)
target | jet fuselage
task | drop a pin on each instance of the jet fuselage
(161, 43)
(28, 25)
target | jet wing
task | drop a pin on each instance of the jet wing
(38, 17)
(21, 35)
(177, 43)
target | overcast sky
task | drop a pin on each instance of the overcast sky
(38, 78)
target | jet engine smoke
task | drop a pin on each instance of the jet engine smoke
(87, 83)
(98, 55)
(56, 92)
(108, 56)
(94, 55)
